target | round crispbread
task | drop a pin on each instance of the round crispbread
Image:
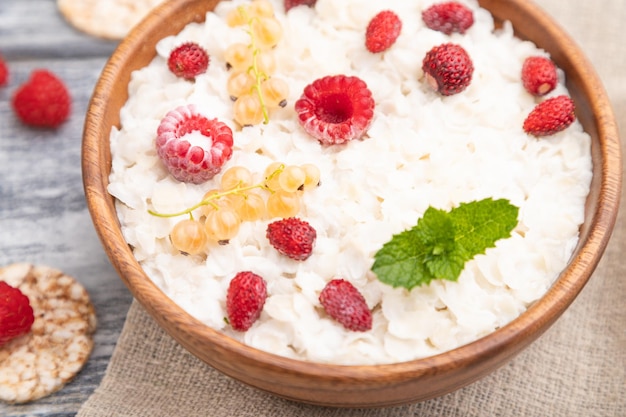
(61, 338)
(110, 19)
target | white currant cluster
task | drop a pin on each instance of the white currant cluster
(251, 85)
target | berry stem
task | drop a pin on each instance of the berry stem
(257, 85)
(208, 200)
(270, 177)
(211, 198)
(255, 68)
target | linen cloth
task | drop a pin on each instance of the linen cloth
(578, 367)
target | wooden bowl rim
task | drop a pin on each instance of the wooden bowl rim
(534, 319)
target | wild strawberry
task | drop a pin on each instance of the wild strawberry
(539, 75)
(4, 73)
(192, 147)
(382, 31)
(43, 100)
(188, 61)
(448, 17)
(344, 303)
(550, 116)
(245, 299)
(292, 237)
(16, 314)
(335, 109)
(448, 68)
(293, 3)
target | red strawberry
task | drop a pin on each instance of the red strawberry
(292, 237)
(539, 75)
(382, 31)
(448, 17)
(43, 101)
(448, 68)
(198, 157)
(550, 116)
(335, 109)
(188, 61)
(4, 73)
(245, 299)
(16, 314)
(293, 3)
(344, 303)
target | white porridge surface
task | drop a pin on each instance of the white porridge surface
(422, 149)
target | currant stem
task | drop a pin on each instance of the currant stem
(257, 85)
(255, 67)
(212, 197)
(206, 201)
(274, 173)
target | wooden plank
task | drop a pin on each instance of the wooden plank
(35, 29)
(43, 215)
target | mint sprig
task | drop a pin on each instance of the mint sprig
(443, 241)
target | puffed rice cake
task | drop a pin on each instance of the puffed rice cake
(60, 341)
(109, 19)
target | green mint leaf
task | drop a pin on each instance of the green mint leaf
(401, 261)
(448, 265)
(442, 242)
(409, 258)
(481, 223)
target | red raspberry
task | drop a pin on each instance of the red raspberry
(245, 299)
(4, 73)
(382, 31)
(16, 314)
(335, 109)
(188, 61)
(43, 101)
(448, 68)
(293, 3)
(539, 75)
(195, 159)
(292, 237)
(448, 17)
(344, 303)
(550, 116)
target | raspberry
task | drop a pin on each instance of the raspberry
(382, 31)
(293, 3)
(4, 73)
(198, 157)
(16, 314)
(448, 68)
(292, 237)
(448, 17)
(245, 299)
(550, 116)
(43, 101)
(539, 75)
(335, 109)
(188, 61)
(344, 303)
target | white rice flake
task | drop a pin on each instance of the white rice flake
(421, 150)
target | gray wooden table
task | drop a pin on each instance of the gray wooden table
(43, 215)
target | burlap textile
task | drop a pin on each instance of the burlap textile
(577, 368)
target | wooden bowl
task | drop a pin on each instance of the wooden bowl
(357, 386)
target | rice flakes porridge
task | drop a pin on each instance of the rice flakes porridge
(422, 149)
